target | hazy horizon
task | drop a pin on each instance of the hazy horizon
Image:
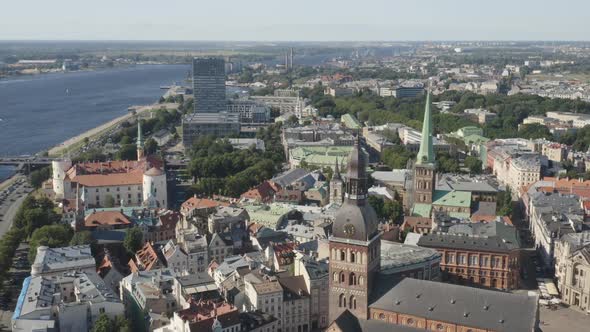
(305, 21)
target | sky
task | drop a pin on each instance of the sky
(299, 20)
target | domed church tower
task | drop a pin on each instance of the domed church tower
(355, 248)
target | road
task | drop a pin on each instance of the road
(8, 208)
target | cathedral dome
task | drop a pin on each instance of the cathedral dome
(355, 222)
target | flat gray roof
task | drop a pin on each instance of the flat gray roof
(468, 306)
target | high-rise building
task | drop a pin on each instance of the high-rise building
(209, 85)
(211, 115)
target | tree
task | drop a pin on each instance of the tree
(393, 210)
(133, 239)
(474, 164)
(35, 213)
(377, 203)
(84, 238)
(37, 177)
(534, 131)
(125, 140)
(105, 324)
(397, 157)
(446, 163)
(109, 201)
(53, 236)
(150, 146)
(127, 152)
(505, 203)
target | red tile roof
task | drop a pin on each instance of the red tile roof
(201, 315)
(147, 259)
(111, 173)
(201, 203)
(262, 192)
(106, 218)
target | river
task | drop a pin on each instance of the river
(38, 112)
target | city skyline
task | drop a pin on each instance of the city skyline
(375, 20)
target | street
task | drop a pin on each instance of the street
(9, 204)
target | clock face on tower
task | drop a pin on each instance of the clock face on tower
(349, 230)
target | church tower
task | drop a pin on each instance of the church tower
(140, 150)
(336, 186)
(425, 167)
(355, 246)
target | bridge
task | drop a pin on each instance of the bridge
(22, 162)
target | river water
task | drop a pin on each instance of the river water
(38, 112)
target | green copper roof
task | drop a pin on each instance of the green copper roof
(475, 139)
(139, 135)
(426, 153)
(350, 121)
(452, 198)
(421, 210)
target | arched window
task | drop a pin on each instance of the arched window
(335, 277)
(352, 302)
(342, 301)
(361, 280)
(342, 255)
(352, 257)
(352, 279)
(342, 277)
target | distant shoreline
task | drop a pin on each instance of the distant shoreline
(60, 149)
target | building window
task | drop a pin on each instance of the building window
(440, 327)
(342, 255)
(352, 279)
(342, 277)
(342, 301)
(352, 302)
(352, 257)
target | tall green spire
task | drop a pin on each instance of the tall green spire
(426, 153)
(139, 135)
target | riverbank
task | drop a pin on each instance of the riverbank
(40, 112)
(76, 142)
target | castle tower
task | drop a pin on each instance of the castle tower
(140, 150)
(59, 170)
(425, 166)
(155, 193)
(336, 186)
(355, 246)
